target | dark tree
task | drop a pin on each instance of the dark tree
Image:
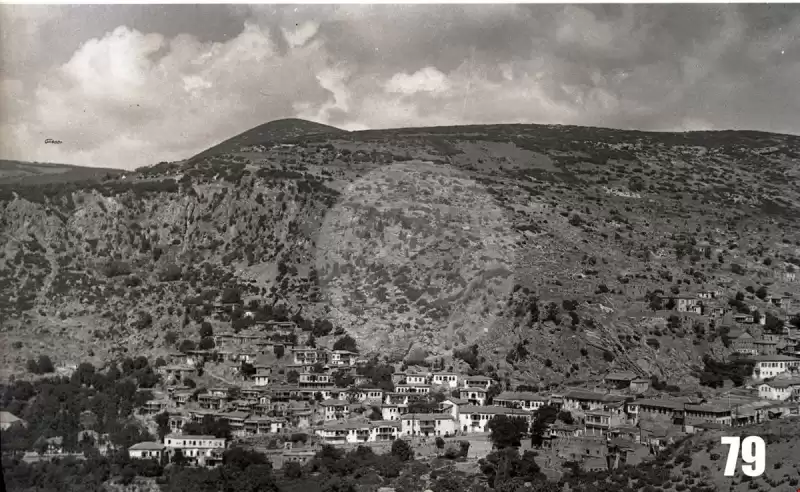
(506, 431)
(402, 450)
(346, 343)
(206, 330)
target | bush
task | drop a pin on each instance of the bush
(292, 470)
(346, 343)
(402, 450)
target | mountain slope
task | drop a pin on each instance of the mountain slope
(536, 243)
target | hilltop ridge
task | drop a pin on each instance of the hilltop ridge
(275, 130)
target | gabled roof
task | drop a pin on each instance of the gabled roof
(426, 416)
(334, 403)
(147, 446)
(520, 395)
(621, 376)
(476, 390)
(592, 396)
(492, 410)
(455, 401)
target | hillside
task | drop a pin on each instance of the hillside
(537, 244)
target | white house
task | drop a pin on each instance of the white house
(428, 424)
(477, 382)
(520, 399)
(779, 389)
(445, 379)
(374, 395)
(340, 358)
(342, 432)
(390, 412)
(768, 366)
(475, 396)
(147, 450)
(472, 418)
(412, 379)
(335, 409)
(198, 449)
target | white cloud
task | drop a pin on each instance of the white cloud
(428, 79)
(301, 35)
(131, 98)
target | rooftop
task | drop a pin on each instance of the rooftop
(520, 395)
(147, 446)
(426, 416)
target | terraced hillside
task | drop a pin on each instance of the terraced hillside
(537, 245)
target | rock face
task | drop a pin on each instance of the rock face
(538, 246)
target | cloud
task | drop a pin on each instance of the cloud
(429, 79)
(130, 97)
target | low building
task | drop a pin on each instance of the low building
(417, 389)
(343, 358)
(639, 386)
(743, 344)
(428, 424)
(309, 355)
(147, 450)
(199, 450)
(473, 418)
(371, 395)
(358, 431)
(520, 399)
(478, 382)
(474, 395)
(619, 378)
(335, 409)
(779, 389)
(579, 400)
(152, 407)
(766, 346)
(390, 412)
(769, 366)
(449, 379)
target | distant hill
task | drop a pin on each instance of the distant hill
(274, 131)
(37, 173)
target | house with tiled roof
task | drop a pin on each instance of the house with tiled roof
(443, 378)
(474, 418)
(768, 366)
(147, 450)
(358, 431)
(779, 388)
(335, 409)
(474, 395)
(524, 400)
(619, 378)
(581, 400)
(428, 424)
(477, 382)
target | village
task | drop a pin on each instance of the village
(286, 399)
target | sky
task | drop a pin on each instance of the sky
(132, 85)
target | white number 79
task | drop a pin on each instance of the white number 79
(754, 453)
